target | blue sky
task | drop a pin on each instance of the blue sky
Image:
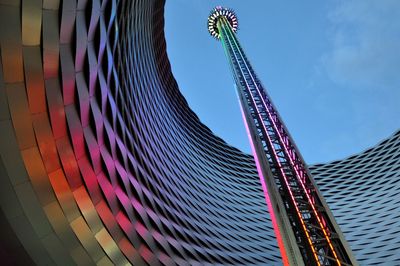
(331, 68)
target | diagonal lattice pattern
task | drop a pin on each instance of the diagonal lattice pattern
(102, 161)
(362, 191)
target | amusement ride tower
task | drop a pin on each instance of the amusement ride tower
(305, 228)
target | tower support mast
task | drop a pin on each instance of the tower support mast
(305, 228)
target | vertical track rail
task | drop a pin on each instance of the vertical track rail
(316, 236)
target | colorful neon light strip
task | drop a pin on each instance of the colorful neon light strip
(283, 174)
(287, 152)
(289, 155)
(278, 235)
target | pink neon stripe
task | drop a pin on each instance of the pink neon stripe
(298, 174)
(266, 196)
(293, 200)
(283, 251)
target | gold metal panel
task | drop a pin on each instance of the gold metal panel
(61, 225)
(46, 143)
(33, 68)
(51, 4)
(31, 21)
(10, 42)
(69, 163)
(56, 108)
(38, 176)
(20, 114)
(111, 248)
(87, 239)
(105, 261)
(87, 208)
(50, 43)
(64, 194)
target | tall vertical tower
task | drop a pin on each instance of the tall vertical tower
(306, 230)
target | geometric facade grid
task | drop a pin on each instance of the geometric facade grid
(103, 162)
(363, 193)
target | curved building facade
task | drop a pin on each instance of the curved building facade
(102, 159)
(103, 162)
(363, 193)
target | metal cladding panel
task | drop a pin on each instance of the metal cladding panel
(363, 193)
(103, 162)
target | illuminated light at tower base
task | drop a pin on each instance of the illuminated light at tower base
(305, 228)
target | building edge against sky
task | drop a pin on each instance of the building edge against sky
(103, 162)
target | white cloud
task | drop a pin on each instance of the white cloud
(366, 44)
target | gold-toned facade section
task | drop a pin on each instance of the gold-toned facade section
(102, 161)
(31, 22)
(44, 199)
(11, 43)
